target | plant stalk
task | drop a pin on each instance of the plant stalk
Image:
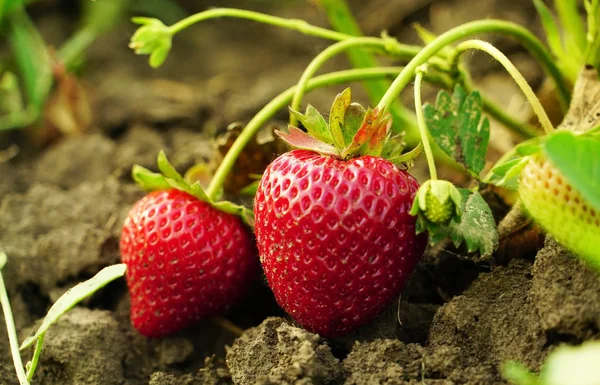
(10, 327)
(423, 125)
(514, 73)
(529, 41)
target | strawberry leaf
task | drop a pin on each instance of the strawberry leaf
(476, 227)
(550, 28)
(456, 126)
(315, 124)
(75, 295)
(577, 157)
(300, 139)
(353, 118)
(336, 117)
(394, 146)
(148, 180)
(369, 139)
(407, 158)
(243, 212)
(507, 174)
(166, 168)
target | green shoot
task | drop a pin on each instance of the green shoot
(10, 327)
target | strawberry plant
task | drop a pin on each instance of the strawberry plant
(339, 221)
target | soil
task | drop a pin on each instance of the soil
(61, 208)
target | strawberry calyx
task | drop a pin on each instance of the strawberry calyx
(350, 132)
(169, 178)
(439, 201)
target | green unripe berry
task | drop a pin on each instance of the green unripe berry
(438, 212)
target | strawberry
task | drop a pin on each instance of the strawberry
(559, 208)
(186, 259)
(439, 202)
(334, 233)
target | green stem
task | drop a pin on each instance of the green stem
(423, 125)
(10, 328)
(341, 18)
(514, 73)
(36, 356)
(526, 38)
(280, 102)
(293, 24)
(322, 58)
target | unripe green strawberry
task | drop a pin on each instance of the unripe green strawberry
(438, 201)
(559, 208)
(438, 212)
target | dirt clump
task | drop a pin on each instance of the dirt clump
(493, 321)
(84, 347)
(211, 374)
(54, 238)
(565, 293)
(277, 353)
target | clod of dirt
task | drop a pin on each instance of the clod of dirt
(84, 347)
(391, 362)
(277, 353)
(493, 320)
(76, 160)
(126, 98)
(139, 145)
(566, 293)
(55, 238)
(190, 147)
(385, 362)
(211, 374)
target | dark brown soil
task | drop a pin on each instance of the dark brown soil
(61, 208)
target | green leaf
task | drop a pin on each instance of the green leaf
(572, 25)
(407, 158)
(506, 171)
(507, 174)
(243, 212)
(456, 126)
(75, 295)
(578, 158)
(353, 118)
(3, 259)
(477, 227)
(550, 28)
(250, 189)
(315, 124)
(370, 137)
(33, 61)
(336, 117)
(148, 180)
(166, 168)
(300, 139)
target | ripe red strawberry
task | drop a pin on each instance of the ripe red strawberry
(186, 260)
(335, 236)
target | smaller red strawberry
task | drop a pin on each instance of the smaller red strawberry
(186, 259)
